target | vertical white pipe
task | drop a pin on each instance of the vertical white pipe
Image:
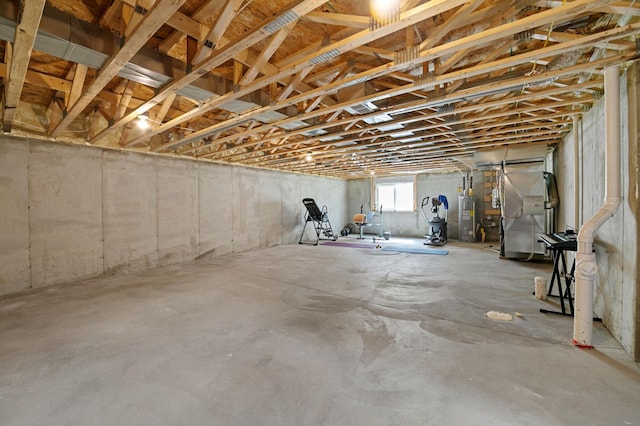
(576, 173)
(586, 268)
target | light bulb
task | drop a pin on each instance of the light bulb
(382, 10)
(143, 121)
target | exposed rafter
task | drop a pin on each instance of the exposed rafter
(19, 55)
(266, 83)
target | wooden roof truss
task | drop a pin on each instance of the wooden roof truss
(316, 86)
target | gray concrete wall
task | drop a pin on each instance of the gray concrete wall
(326, 192)
(177, 189)
(15, 272)
(412, 224)
(631, 293)
(71, 212)
(65, 214)
(215, 212)
(130, 215)
(616, 243)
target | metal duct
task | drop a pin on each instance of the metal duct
(70, 39)
(354, 93)
(509, 155)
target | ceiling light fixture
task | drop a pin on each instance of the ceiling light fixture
(143, 121)
(384, 11)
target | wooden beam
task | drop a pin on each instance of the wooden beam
(237, 72)
(55, 115)
(346, 70)
(125, 98)
(293, 83)
(252, 37)
(619, 8)
(192, 50)
(489, 36)
(421, 12)
(375, 52)
(112, 14)
(273, 91)
(162, 112)
(435, 142)
(158, 15)
(77, 84)
(339, 19)
(409, 36)
(187, 25)
(126, 14)
(61, 85)
(231, 8)
(274, 43)
(202, 14)
(25, 36)
(198, 31)
(456, 20)
(558, 37)
(335, 115)
(139, 10)
(436, 114)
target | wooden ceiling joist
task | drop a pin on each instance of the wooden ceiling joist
(422, 12)
(226, 53)
(264, 84)
(212, 39)
(18, 64)
(475, 39)
(155, 18)
(434, 114)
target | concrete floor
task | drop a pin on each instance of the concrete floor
(305, 335)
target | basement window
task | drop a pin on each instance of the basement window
(395, 194)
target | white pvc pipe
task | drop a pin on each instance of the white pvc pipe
(586, 268)
(576, 173)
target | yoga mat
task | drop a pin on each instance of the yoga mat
(414, 249)
(352, 245)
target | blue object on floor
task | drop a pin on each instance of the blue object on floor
(350, 245)
(414, 249)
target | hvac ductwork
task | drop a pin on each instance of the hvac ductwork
(355, 93)
(70, 39)
(66, 37)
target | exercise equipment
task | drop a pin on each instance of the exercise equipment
(437, 225)
(320, 219)
(362, 221)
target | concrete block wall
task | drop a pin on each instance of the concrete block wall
(617, 286)
(72, 212)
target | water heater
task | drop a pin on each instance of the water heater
(467, 218)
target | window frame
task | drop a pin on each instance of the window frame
(394, 182)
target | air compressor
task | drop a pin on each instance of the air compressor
(437, 225)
